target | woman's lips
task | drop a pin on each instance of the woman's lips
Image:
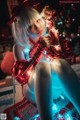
(40, 32)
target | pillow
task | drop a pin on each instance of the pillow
(7, 62)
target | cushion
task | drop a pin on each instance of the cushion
(7, 62)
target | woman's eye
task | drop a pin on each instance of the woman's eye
(38, 20)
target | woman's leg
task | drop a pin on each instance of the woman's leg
(69, 81)
(43, 86)
(43, 90)
(28, 89)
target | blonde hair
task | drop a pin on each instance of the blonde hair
(22, 23)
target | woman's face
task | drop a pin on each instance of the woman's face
(37, 28)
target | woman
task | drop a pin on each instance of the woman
(47, 79)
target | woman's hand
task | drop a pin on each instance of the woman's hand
(55, 32)
(58, 48)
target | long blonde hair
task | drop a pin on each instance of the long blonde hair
(24, 19)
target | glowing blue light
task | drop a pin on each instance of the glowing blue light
(54, 107)
(45, 52)
(35, 117)
(59, 23)
(16, 118)
(27, 50)
(60, 116)
(68, 117)
(62, 97)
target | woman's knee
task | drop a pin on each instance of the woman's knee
(60, 63)
(43, 74)
(43, 68)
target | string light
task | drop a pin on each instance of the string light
(62, 97)
(54, 107)
(45, 52)
(35, 117)
(68, 116)
(60, 116)
(16, 118)
(78, 34)
(73, 19)
(60, 23)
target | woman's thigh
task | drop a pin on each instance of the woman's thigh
(57, 89)
(56, 84)
(48, 70)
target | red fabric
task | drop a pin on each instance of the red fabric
(19, 71)
(22, 68)
(7, 62)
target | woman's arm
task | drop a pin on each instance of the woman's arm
(18, 52)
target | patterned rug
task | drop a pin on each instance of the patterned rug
(25, 110)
